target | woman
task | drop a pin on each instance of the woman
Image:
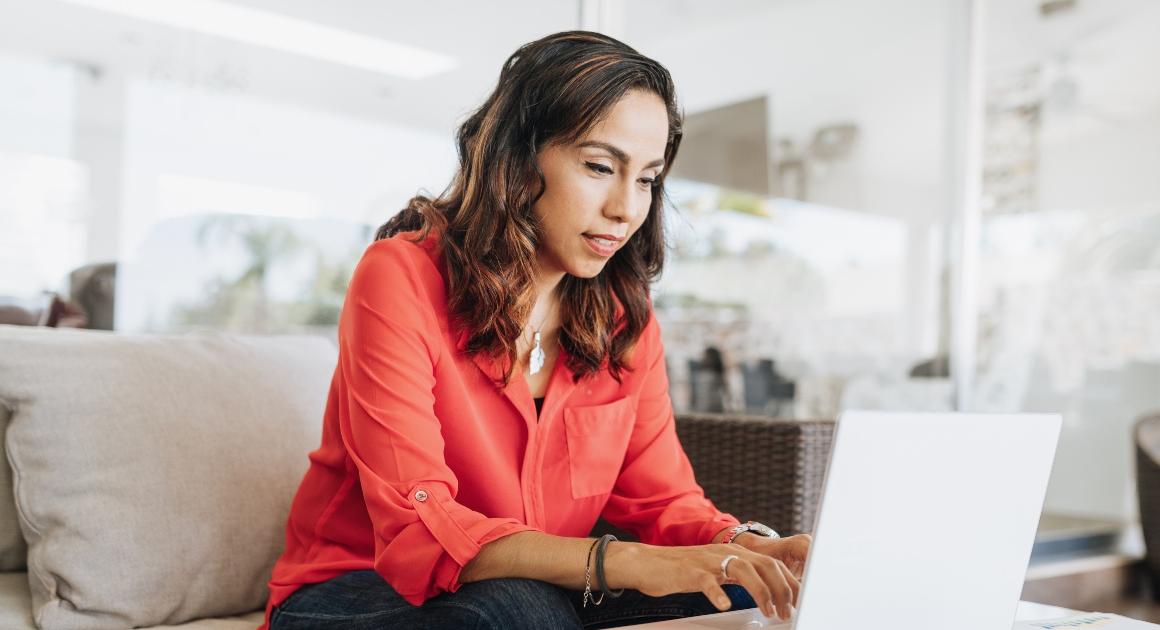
(501, 384)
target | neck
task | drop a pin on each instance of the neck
(545, 311)
(544, 318)
(544, 284)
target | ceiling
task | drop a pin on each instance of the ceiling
(1106, 47)
(479, 35)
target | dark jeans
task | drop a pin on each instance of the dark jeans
(361, 600)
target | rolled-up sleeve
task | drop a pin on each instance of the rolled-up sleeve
(656, 495)
(423, 537)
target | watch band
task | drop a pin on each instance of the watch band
(752, 527)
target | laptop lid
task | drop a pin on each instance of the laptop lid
(927, 520)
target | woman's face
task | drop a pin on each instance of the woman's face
(599, 189)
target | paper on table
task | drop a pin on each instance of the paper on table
(1102, 621)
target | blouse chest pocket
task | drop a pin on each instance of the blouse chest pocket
(597, 441)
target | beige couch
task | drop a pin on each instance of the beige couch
(147, 478)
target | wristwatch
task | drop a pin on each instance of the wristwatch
(752, 527)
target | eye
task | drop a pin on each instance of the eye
(598, 168)
(648, 182)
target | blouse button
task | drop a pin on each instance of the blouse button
(421, 495)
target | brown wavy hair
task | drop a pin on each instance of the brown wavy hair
(552, 90)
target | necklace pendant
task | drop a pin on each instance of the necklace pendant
(536, 360)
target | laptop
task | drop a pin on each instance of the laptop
(926, 521)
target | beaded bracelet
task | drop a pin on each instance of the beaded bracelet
(602, 545)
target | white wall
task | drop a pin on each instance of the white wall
(1114, 164)
(881, 65)
(1096, 184)
(357, 170)
(43, 189)
(37, 107)
(194, 152)
(886, 66)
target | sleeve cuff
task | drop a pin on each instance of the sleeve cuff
(716, 525)
(459, 532)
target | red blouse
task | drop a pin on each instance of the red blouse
(424, 458)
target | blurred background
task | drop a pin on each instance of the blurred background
(902, 205)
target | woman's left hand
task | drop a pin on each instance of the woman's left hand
(792, 551)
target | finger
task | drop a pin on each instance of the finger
(778, 579)
(794, 584)
(715, 593)
(800, 558)
(799, 568)
(744, 572)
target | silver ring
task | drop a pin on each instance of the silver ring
(725, 566)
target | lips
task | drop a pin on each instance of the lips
(602, 244)
(604, 240)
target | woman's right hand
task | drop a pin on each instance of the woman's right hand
(658, 571)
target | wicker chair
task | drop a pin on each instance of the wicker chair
(1147, 439)
(765, 469)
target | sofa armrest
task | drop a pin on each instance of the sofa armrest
(1146, 436)
(766, 469)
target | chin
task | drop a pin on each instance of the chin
(586, 272)
(586, 268)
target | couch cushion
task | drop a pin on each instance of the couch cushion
(15, 606)
(241, 622)
(154, 474)
(16, 610)
(12, 547)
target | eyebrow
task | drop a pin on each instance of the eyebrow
(617, 152)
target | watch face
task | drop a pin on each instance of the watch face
(763, 530)
(752, 527)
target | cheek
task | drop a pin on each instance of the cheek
(556, 228)
(645, 207)
(642, 215)
(570, 207)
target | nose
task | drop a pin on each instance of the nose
(623, 204)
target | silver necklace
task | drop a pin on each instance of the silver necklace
(537, 358)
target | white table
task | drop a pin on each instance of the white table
(752, 618)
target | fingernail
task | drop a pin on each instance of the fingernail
(723, 602)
